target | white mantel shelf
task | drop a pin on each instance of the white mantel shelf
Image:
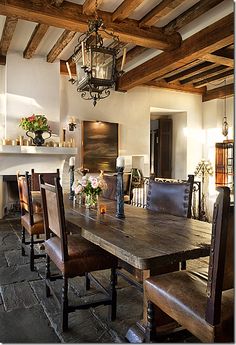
(43, 150)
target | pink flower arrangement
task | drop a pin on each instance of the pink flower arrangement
(89, 185)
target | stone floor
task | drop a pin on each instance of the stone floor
(27, 316)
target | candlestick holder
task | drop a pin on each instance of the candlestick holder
(72, 178)
(120, 193)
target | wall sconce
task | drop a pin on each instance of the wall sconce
(71, 124)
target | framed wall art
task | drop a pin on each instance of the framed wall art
(99, 146)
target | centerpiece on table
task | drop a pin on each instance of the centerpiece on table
(90, 187)
(38, 125)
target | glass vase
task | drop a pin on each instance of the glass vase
(91, 201)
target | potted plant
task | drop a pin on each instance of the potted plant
(37, 124)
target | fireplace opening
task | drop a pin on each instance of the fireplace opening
(10, 196)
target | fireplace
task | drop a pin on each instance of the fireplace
(11, 204)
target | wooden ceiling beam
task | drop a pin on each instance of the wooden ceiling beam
(189, 72)
(89, 6)
(205, 75)
(213, 37)
(64, 71)
(192, 13)
(56, 3)
(125, 9)
(70, 17)
(175, 86)
(217, 77)
(35, 39)
(61, 43)
(221, 60)
(7, 34)
(161, 10)
(219, 92)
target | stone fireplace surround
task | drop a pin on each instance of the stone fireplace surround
(24, 158)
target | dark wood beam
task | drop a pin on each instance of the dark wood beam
(70, 17)
(35, 39)
(180, 69)
(192, 13)
(125, 9)
(213, 37)
(61, 43)
(175, 86)
(56, 3)
(219, 92)
(211, 72)
(217, 77)
(2, 60)
(89, 6)
(162, 9)
(190, 72)
(221, 60)
(7, 34)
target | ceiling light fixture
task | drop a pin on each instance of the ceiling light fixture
(96, 64)
(225, 126)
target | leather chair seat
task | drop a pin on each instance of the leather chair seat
(83, 256)
(37, 228)
(186, 291)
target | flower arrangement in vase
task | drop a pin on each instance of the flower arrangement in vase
(90, 187)
(37, 124)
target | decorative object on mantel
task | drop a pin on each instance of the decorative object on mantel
(71, 124)
(72, 177)
(36, 124)
(90, 187)
(225, 126)
(203, 170)
(120, 163)
(97, 71)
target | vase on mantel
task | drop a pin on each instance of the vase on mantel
(91, 200)
(38, 138)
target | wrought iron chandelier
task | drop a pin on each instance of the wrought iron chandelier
(96, 64)
(225, 125)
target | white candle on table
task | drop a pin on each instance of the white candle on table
(72, 161)
(68, 69)
(120, 162)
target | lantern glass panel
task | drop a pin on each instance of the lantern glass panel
(102, 65)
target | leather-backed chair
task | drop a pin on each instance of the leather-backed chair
(31, 219)
(201, 303)
(48, 178)
(110, 191)
(72, 254)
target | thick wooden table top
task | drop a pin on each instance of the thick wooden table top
(144, 238)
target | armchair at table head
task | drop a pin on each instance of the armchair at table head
(72, 254)
(31, 219)
(170, 197)
(200, 302)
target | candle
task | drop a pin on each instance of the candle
(72, 161)
(83, 52)
(64, 134)
(120, 162)
(123, 59)
(103, 209)
(68, 69)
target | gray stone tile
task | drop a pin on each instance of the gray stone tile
(8, 240)
(14, 258)
(15, 274)
(1, 304)
(26, 326)
(3, 261)
(19, 295)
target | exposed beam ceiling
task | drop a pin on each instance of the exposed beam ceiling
(219, 92)
(8, 31)
(221, 60)
(175, 87)
(126, 7)
(89, 6)
(35, 39)
(217, 77)
(213, 37)
(61, 43)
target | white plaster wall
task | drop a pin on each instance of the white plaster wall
(2, 100)
(132, 111)
(179, 146)
(32, 86)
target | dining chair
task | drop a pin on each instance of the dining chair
(72, 254)
(201, 303)
(31, 218)
(110, 191)
(48, 178)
